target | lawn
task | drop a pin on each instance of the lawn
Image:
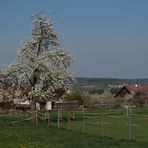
(110, 123)
(83, 132)
(42, 136)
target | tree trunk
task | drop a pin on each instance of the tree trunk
(34, 118)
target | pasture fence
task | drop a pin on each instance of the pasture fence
(116, 123)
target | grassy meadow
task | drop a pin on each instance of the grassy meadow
(88, 128)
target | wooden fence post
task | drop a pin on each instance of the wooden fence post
(83, 120)
(102, 126)
(58, 118)
(68, 120)
(73, 114)
(36, 117)
(129, 124)
(99, 128)
(48, 115)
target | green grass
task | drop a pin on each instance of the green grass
(15, 134)
(114, 124)
(42, 136)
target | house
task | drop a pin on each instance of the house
(21, 101)
(131, 90)
(59, 93)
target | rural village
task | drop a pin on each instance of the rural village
(47, 101)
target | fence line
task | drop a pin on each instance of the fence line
(139, 115)
(103, 124)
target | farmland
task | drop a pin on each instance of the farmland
(85, 129)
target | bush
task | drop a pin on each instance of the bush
(137, 101)
(6, 103)
(75, 96)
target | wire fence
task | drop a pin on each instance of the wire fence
(121, 124)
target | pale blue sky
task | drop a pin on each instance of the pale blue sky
(107, 38)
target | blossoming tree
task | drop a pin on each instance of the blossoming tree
(42, 66)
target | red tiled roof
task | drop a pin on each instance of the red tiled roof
(143, 88)
(128, 89)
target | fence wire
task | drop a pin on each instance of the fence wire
(100, 123)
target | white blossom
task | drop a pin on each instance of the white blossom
(42, 66)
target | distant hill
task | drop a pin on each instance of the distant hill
(103, 83)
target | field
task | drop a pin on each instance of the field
(86, 128)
